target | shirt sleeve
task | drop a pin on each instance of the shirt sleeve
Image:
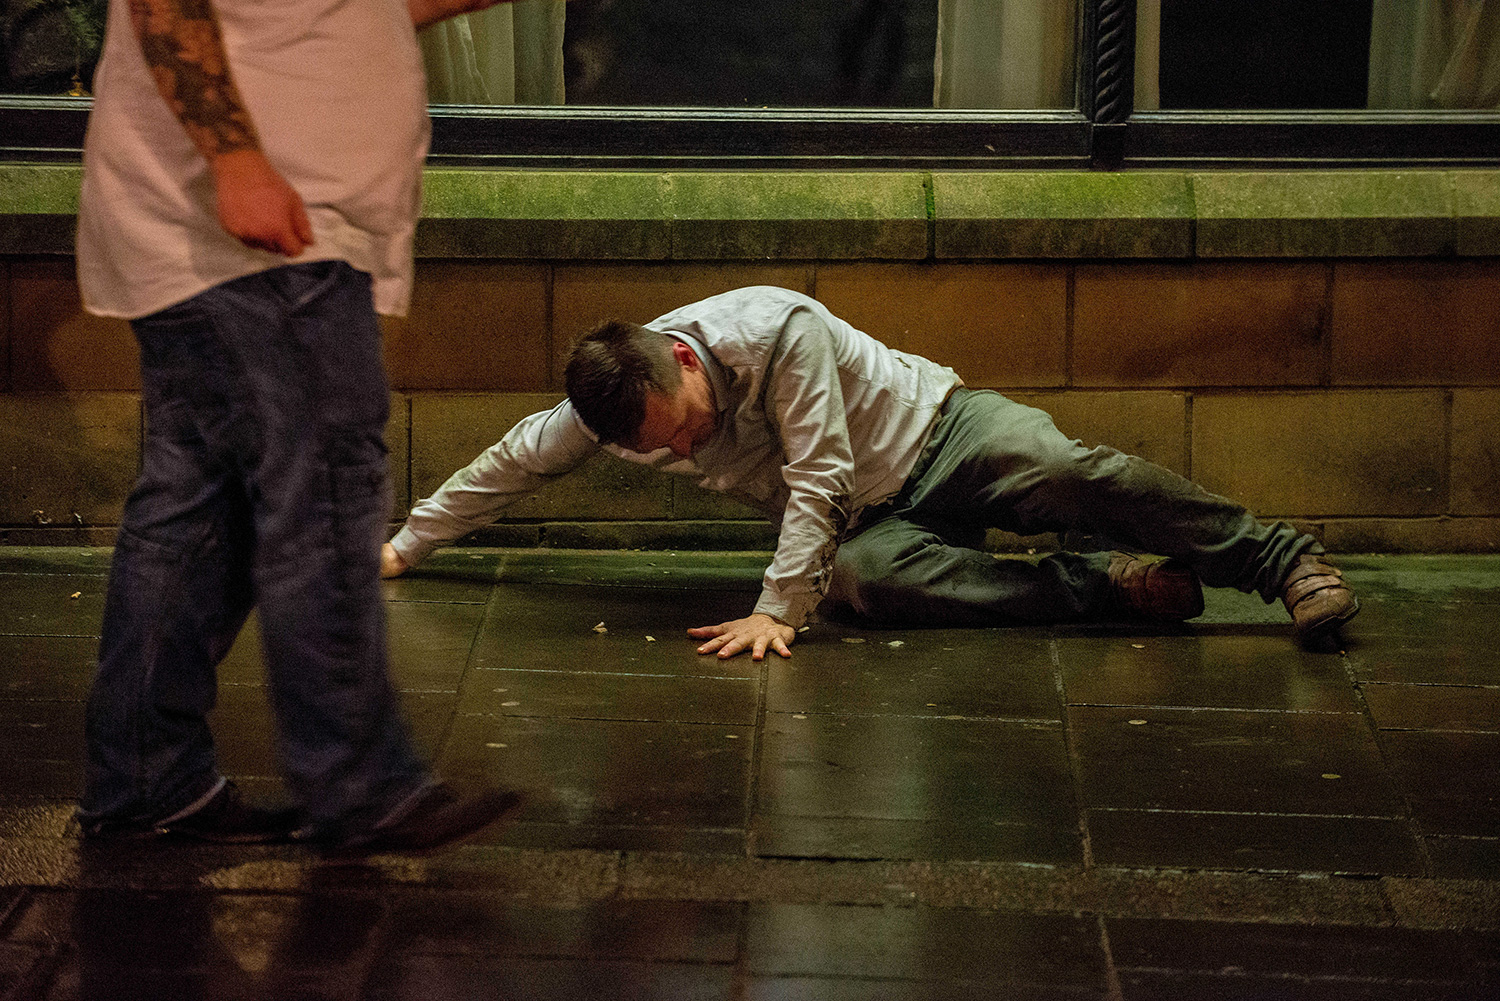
(536, 451)
(805, 403)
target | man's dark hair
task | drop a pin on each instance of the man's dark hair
(611, 370)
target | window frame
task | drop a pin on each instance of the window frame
(1104, 132)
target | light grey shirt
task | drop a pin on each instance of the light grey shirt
(817, 421)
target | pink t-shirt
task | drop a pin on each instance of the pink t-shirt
(338, 97)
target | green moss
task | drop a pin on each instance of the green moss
(1355, 194)
(39, 189)
(895, 215)
(1063, 214)
(1357, 213)
(1062, 195)
(562, 215)
(1476, 192)
(503, 194)
(798, 195)
(798, 214)
(1476, 196)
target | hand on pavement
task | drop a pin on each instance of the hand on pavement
(757, 633)
(391, 564)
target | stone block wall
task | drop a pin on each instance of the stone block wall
(1346, 374)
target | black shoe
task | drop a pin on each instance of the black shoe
(440, 817)
(224, 819)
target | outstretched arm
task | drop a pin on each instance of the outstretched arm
(391, 563)
(181, 43)
(536, 451)
(804, 398)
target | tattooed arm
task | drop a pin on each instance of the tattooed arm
(181, 43)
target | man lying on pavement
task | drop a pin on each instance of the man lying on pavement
(883, 472)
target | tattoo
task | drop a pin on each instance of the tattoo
(182, 45)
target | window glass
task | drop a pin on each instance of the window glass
(989, 54)
(1377, 54)
(767, 53)
(49, 46)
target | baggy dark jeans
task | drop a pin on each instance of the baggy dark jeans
(264, 484)
(992, 462)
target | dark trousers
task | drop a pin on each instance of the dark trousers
(995, 463)
(264, 484)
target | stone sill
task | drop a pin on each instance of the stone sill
(894, 215)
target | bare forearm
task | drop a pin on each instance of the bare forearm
(181, 43)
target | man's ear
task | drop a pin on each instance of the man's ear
(685, 356)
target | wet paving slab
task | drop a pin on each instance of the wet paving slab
(833, 786)
(1174, 959)
(1094, 811)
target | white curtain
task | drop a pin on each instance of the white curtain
(509, 54)
(1435, 54)
(1005, 54)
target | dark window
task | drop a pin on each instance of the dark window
(848, 83)
(771, 53)
(1268, 54)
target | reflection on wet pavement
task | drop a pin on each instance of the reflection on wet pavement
(1107, 811)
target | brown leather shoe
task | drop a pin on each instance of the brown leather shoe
(1165, 590)
(1317, 599)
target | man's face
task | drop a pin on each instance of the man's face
(683, 420)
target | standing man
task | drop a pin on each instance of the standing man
(252, 181)
(883, 472)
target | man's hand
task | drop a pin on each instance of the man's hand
(257, 206)
(391, 564)
(757, 633)
(425, 13)
(181, 43)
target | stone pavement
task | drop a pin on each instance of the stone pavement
(1080, 812)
